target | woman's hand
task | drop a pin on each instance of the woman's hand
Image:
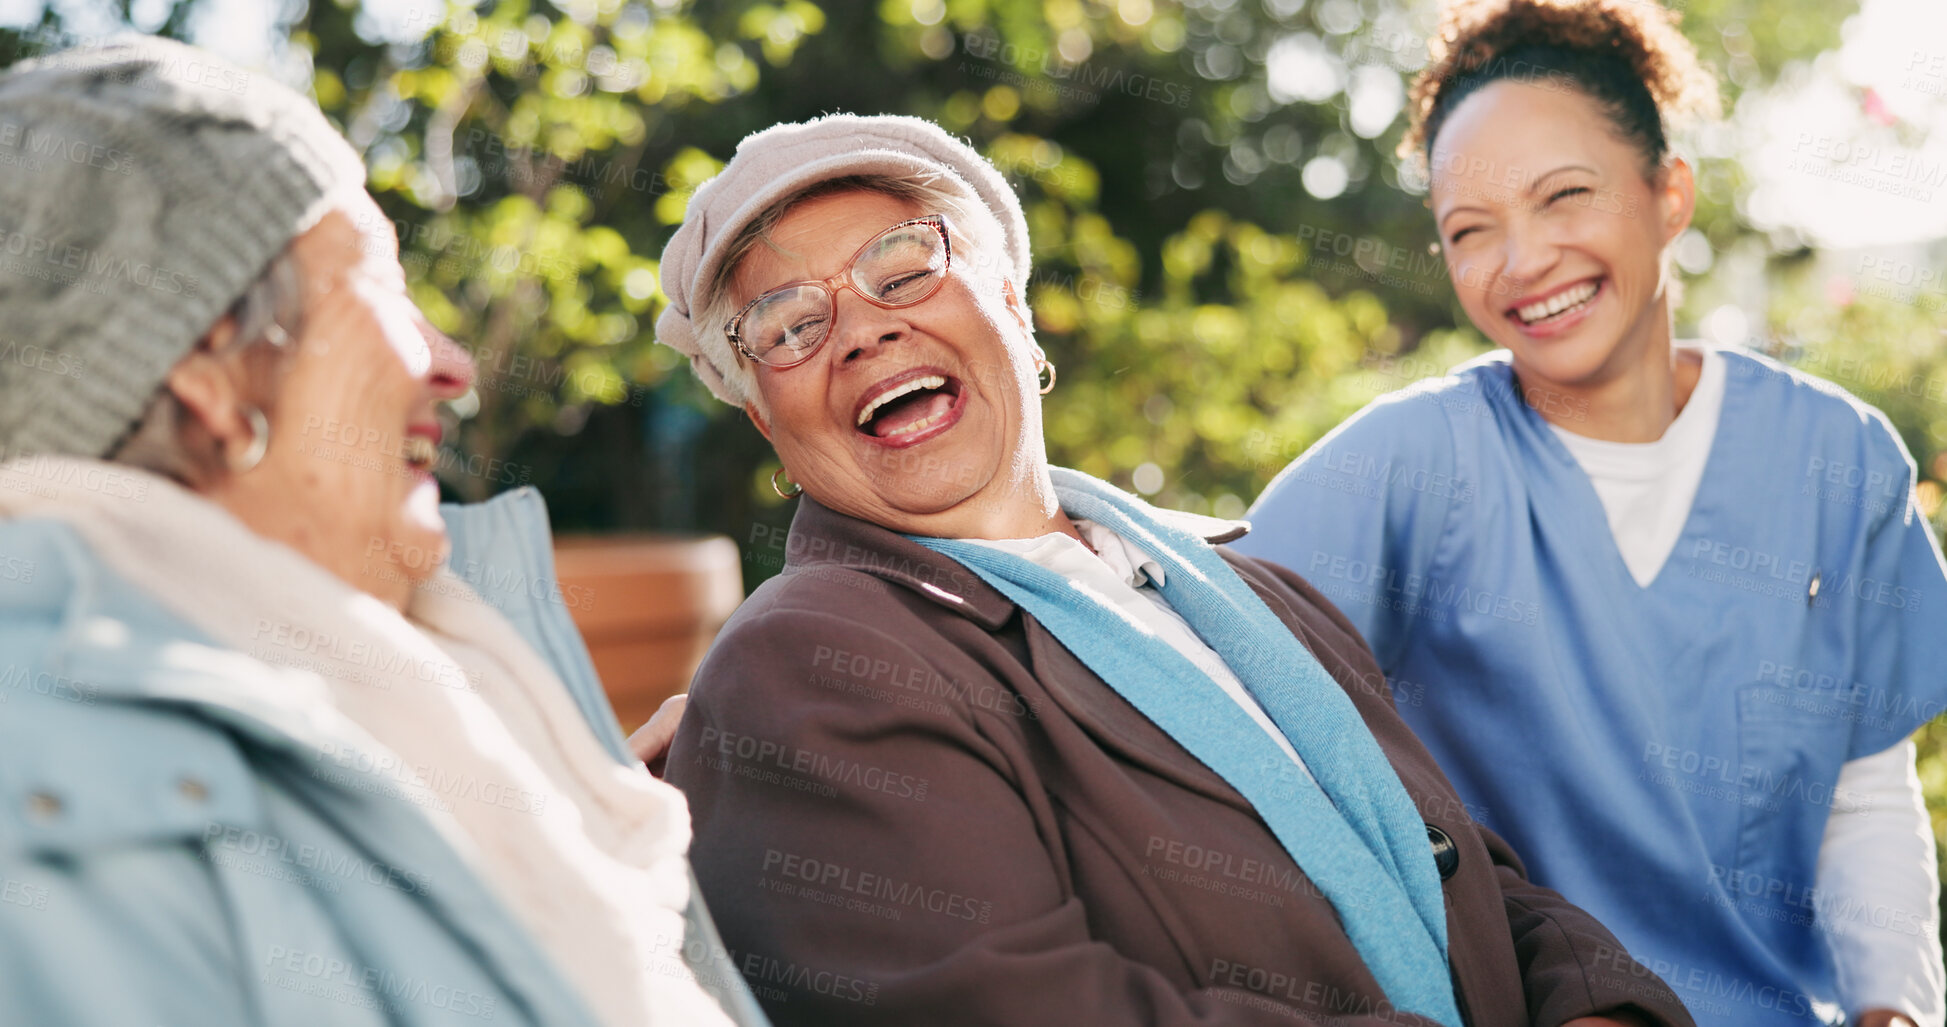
(650, 743)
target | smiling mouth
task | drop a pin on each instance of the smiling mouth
(1565, 304)
(907, 411)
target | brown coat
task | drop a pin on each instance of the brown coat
(914, 806)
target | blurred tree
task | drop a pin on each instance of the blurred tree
(1228, 259)
(1210, 185)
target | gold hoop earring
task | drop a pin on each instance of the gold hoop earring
(796, 489)
(253, 454)
(1044, 364)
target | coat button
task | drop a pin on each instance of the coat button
(192, 789)
(44, 805)
(1446, 855)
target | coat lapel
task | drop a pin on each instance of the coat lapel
(1117, 725)
(821, 536)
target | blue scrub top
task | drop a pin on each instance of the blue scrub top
(1664, 756)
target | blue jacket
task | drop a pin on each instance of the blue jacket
(169, 859)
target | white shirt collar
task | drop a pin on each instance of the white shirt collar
(1130, 562)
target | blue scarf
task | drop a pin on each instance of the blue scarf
(1349, 824)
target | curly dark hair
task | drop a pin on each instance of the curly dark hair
(1626, 55)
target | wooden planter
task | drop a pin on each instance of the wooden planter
(649, 606)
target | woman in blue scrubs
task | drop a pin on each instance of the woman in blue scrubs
(1665, 613)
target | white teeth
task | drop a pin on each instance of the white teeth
(1557, 303)
(419, 451)
(915, 426)
(931, 381)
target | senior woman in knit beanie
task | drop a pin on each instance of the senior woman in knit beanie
(262, 759)
(1003, 744)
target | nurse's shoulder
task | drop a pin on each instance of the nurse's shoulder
(1838, 441)
(1419, 436)
(1383, 484)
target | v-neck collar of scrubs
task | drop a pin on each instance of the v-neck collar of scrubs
(1578, 493)
(1647, 488)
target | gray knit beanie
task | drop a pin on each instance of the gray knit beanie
(777, 162)
(143, 186)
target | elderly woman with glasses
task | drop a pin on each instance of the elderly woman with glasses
(1003, 744)
(263, 760)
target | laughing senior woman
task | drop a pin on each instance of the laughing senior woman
(263, 761)
(1005, 745)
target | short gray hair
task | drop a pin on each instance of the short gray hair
(976, 238)
(268, 317)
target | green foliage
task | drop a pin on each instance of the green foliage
(1211, 315)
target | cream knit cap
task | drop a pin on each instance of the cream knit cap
(781, 160)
